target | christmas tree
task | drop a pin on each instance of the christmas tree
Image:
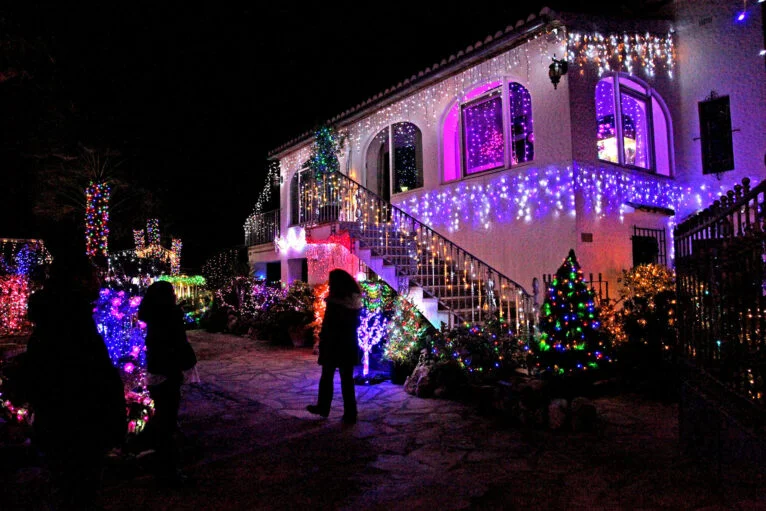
(569, 325)
(324, 152)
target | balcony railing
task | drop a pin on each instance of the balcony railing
(467, 288)
(262, 228)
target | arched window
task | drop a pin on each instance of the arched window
(295, 199)
(633, 125)
(398, 147)
(490, 128)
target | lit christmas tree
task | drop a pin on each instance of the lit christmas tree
(569, 325)
(324, 152)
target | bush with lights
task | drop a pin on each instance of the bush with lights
(648, 319)
(472, 353)
(405, 331)
(570, 339)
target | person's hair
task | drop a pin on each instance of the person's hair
(342, 284)
(159, 297)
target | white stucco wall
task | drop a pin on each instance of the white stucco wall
(717, 53)
(523, 220)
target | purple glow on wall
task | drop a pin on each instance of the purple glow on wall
(483, 134)
(661, 132)
(451, 144)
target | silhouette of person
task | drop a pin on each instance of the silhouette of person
(74, 390)
(338, 345)
(168, 354)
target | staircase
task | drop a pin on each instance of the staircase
(449, 285)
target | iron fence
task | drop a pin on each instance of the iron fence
(720, 284)
(599, 286)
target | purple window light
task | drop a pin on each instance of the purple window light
(483, 134)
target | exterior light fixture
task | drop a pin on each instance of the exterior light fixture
(557, 69)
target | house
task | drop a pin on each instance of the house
(464, 184)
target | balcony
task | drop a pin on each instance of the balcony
(262, 228)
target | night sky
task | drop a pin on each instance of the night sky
(189, 100)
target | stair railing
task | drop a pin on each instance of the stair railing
(467, 287)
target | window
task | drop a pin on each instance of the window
(715, 134)
(398, 147)
(294, 199)
(633, 125)
(649, 246)
(490, 129)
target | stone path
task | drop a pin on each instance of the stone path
(257, 448)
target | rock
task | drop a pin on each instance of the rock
(533, 394)
(584, 414)
(558, 412)
(420, 383)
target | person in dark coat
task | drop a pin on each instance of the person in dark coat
(338, 345)
(168, 354)
(74, 390)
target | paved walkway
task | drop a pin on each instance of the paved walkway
(252, 445)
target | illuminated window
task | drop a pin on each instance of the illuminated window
(490, 129)
(633, 125)
(398, 147)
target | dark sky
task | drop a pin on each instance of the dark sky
(193, 98)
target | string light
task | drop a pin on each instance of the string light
(153, 232)
(622, 52)
(430, 103)
(372, 329)
(97, 219)
(139, 239)
(175, 256)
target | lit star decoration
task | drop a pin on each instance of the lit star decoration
(622, 52)
(175, 257)
(569, 324)
(97, 219)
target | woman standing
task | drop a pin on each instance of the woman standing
(338, 345)
(168, 354)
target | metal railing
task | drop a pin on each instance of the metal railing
(468, 289)
(599, 286)
(262, 228)
(720, 281)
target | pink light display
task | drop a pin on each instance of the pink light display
(14, 295)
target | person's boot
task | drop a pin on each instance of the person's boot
(318, 411)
